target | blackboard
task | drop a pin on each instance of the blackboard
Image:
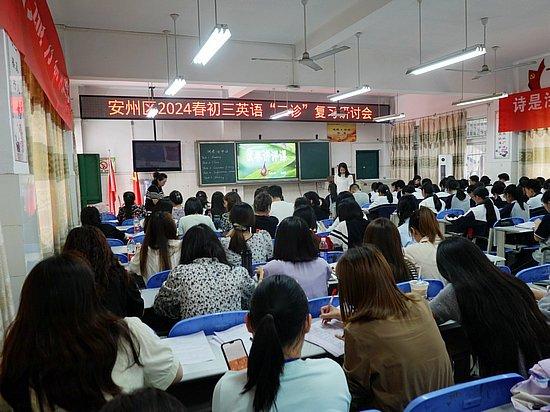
(217, 163)
(314, 160)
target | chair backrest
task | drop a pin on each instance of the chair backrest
(122, 258)
(111, 222)
(382, 211)
(128, 222)
(477, 395)
(534, 274)
(139, 239)
(327, 222)
(115, 242)
(215, 322)
(509, 221)
(535, 218)
(505, 269)
(107, 216)
(538, 211)
(332, 256)
(316, 304)
(456, 212)
(157, 279)
(435, 286)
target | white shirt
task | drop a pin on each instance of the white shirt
(281, 209)
(306, 385)
(343, 183)
(480, 212)
(382, 200)
(430, 204)
(187, 222)
(404, 233)
(463, 205)
(517, 211)
(535, 202)
(361, 198)
(153, 260)
(422, 255)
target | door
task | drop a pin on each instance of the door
(90, 179)
(367, 164)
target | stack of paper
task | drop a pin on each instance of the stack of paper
(190, 349)
(527, 225)
(325, 336)
(236, 332)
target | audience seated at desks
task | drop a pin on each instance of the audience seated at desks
(241, 243)
(130, 210)
(339, 199)
(316, 203)
(385, 197)
(542, 233)
(351, 227)
(193, 216)
(204, 282)
(393, 349)
(397, 188)
(297, 256)
(497, 194)
(373, 194)
(65, 351)
(277, 379)
(516, 205)
(405, 208)
(506, 330)
(161, 247)
(262, 210)
(229, 200)
(329, 203)
(480, 218)
(532, 189)
(279, 208)
(360, 197)
(425, 231)
(384, 235)
(116, 289)
(217, 209)
(144, 400)
(431, 201)
(90, 216)
(177, 205)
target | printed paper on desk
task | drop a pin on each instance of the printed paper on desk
(325, 336)
(190, 349)
(236, 332)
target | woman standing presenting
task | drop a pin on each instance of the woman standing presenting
(343, 179)
(154, 192)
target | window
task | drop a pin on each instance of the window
(476, 143)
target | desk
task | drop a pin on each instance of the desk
(500, 236)
(123, 250)
(148, 296)
(123, 228)
(496, 259)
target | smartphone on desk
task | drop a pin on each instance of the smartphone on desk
(235, 355)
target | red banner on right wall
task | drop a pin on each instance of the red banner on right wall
(524, 111)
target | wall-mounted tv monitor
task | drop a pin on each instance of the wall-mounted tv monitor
(267, 161)
(162, 155)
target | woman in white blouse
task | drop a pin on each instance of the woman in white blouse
(431, 200)
(343, 179)
(385, 197)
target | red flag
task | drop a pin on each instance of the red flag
(111, 188)
(137, 189)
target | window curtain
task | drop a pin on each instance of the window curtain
(446, 135)
(535, 154)
(402, 159)
(49, 164)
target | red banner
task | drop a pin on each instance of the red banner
(524, 111)
(31, 28)
(136, 108)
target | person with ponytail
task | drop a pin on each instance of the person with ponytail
(154, 193)
(457, 198)
(497, 193)
(130, 210)
(276, 378)
(405, 208)
(516, 203)
(385, 197)
(240, 242)
(431, 200)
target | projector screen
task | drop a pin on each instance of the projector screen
(267, 161)
(150, 156)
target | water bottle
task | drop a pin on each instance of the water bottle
(131, 249)
(137, 227)
(323, 247)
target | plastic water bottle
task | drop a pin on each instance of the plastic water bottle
(323, 247)
(137, 227)
(131, 249)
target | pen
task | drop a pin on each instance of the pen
(334, 293)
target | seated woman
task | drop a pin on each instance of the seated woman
(177, 208)
(393, 349)
(457, 198)
(262, 209)
(351, 229)
(533, 192)
(203, 282)
(130, 210)
(300, 201)
(329, 203)
(497, 192)
(384, 235)
(315, 202)
(65, 351)
(431, 201)
(217, 209)
(295, 255)
(426, 233)
(276, 378)
(229, 200)
(339, 199)
(161, 247)
(542, 233)
(506, 330)
(116, 289)
(203, 198)
(90, 216)
(241, 244)
(516, 206)
(385, 197)
(193, 216)
(405, 208)
(307, 213)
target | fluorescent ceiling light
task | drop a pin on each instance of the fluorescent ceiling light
(389, 117)
(284, 113)
(494, 96)
(344, 95)
(175, 86)
(456, 57)
(217, 39)
(152, 112)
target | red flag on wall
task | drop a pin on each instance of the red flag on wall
(137, 189)
(111, 188)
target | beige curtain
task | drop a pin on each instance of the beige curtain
(535, 153)
(48, 164)
(402, 151)
(445, 134)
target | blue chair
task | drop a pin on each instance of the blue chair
(114, 242)
(121, 257)
(509, 221)
(215, 322)
(535, 218)
(435, 286)
(323, 234)
(316, 304)
(534, 274)
(538, 212)
(111, 222)
(456, 212)
(139, 239)
(327, 222)
(478, 395)
(332, 256)
(127, 222)
(382, 211)
(157, 279)
(505, 269)
(107, 216)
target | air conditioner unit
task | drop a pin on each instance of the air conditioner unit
(444, 166)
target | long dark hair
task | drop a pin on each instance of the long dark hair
(160, 229)
(455, 185)
(384, 234)
(516, 193)
(384, 190)
(63, 343)
(232, 198)
(129, 199)
(498, 311)
(308, 215)
(293, 241)
(242, 218)
(349, 209)
(192, 206)
(201, 242)
(92, 244)
(278, 315)
(428, 190)
(406, 207)
(203, 198)
(90, 216)
(345, 166)
(314, 199)
(216, 204)
(490, 216)
(333, 191)
(145, 400)
(157, 176)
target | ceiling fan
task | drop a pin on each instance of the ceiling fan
(485, 69)
(307, 60)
